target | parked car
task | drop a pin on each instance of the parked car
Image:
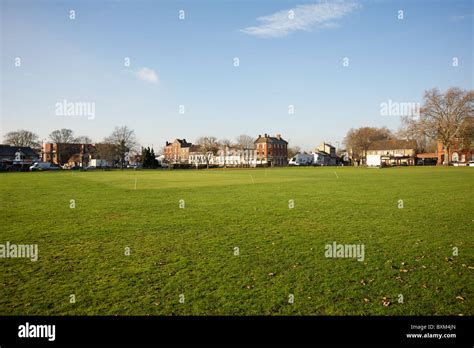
(38, 166)
(471, 164)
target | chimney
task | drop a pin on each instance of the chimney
(278, 136)
(259, 135)
(266, 135)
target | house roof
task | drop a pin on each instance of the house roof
(326, 144)
(427, 155)
(183, 143)
(268, 139)
(77, 157)
(9, 151)
(394, 144)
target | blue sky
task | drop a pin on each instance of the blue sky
(190, 62)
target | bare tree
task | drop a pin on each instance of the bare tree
(106, 152)
(124, 140)
(224, 145)
(83, 139)
(161, 151)
(411, 130)
(62, 136)
(445, 117)
(467, 134)
(357, 141)
(246, 142)
(22, 137)
(208, 146)
(292, 151)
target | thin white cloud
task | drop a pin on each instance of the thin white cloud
(301, 18)
(458, 18)
(147, 74)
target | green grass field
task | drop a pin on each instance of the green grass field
(190, 251)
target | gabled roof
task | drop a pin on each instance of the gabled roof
(427, 155)
(9, 151)
(182, 143)
(394, 144)
(268, 139)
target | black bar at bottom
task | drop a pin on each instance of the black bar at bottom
(241, 330)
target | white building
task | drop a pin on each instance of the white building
(99, 163)
(326, 154)
(198, 158)
(302, 159)
(321, 159)
(234, 156)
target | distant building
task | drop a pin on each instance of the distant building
(321, 158)
(459, 153)
(235, 156)
(197, 157)
(177, 151)
(328, 149)
(325, 155)
(109, 153)
(426, 158)
(63, 153)
(301, 159)
(344, 157)
(271, 151)
(17, 157)
(392, 152)
(79, 155)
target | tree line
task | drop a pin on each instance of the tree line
(118, 144)
(446, 117)
(113, 148)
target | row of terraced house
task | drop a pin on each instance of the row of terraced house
(267, 150)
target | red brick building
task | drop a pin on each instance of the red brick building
(177, 151)
(271, 151)
(60, 153)
(78, 154)
(458, 153)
